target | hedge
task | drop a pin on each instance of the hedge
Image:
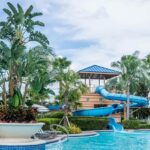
(54, 114)
(94, 123)
(84, 123)
(131, 124)
(48, 121)
(90, 123)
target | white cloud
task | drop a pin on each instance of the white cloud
(117, 27)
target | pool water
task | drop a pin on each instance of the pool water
(139, 140)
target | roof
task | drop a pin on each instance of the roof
(96, 72)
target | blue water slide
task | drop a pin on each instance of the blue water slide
(114, 125)
(135, 101)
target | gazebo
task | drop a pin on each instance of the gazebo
(96, 72)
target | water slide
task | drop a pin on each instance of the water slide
(135, 101)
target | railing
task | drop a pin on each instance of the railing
(59, 126)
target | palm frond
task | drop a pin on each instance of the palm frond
(36, 14)
(12, 7)
(28, 11)
(8, 12)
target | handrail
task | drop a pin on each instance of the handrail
(60, 126)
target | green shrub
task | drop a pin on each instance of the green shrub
(90, 123)
(73, 129)
(48, 122)
(84, 123)
(57, 114)
(144, 126)
(131, 124)
(54, 114)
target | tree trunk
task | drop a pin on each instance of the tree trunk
(128, 101)
(4, 96)
(25, 93)
(11, 86)
(65, 110)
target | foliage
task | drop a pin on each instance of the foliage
(55, 114)
(73, 129)
(48, 122)
(141, 113)
(133, 71)
(18, 115)
(84, 123)
(145, 126)
(23, 69)
(90, 123)
(70, 86)
(58, 114)
(131, 124)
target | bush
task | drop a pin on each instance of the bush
(84, 123)
(131, 124)
(55, 114)
(145, 126)
(73, 129)
(90, 123)
(48, 122)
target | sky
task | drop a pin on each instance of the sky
(90, 32)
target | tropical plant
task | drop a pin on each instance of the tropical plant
(19, 67)
(132, 71)
(71, 89)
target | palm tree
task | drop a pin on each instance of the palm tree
(71, 90)
(132, 70)
(37, 73)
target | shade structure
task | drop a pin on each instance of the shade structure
(97, 72)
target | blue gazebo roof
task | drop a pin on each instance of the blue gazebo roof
(97, 72)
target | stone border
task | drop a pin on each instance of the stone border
(84, 133)
(64, 137)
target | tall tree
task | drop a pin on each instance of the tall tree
(132, 70)
(15, 33)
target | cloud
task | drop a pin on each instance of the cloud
(98, 31)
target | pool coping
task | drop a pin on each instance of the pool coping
(64, 137)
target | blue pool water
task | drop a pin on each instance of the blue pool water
(139, 140)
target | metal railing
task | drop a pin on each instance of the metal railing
(59, 126)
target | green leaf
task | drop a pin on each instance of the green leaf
(39, 37)
(38, 23)
(3, 23)
(12, 7)
(7, 11)
(36, 14)
(20, 10)
(29, 10)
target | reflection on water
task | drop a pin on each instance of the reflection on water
(107, 141)
(55, 146)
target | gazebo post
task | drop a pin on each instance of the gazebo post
(99, 80)
(104, 80)
(90, 82)
(85, 79)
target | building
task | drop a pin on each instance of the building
(94, 76)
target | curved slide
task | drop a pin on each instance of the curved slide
(135, 101)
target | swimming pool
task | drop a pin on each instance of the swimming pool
(138, 140)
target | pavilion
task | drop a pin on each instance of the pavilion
(96, 72)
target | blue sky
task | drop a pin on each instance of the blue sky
(93, 31)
